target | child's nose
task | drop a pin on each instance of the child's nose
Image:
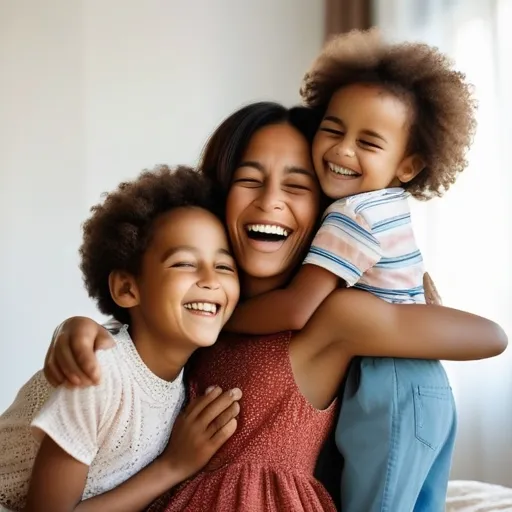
(345, 148)
(208, 280)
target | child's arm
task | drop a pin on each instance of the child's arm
(286, 309)
(343, 249)
(58, 479)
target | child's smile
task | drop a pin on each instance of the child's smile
(202, 308)
(343, 172)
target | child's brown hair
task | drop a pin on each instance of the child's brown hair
(443, 107)
(120, 228)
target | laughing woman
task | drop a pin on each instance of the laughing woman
(260, 157)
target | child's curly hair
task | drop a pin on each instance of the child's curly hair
(444, 108)
(117, 234)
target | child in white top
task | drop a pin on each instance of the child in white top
(156, 257)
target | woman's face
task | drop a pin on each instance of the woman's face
(272, 205)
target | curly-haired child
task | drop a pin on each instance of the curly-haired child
(155, 256)
(397, 121)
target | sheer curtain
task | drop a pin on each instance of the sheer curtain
(466, 236)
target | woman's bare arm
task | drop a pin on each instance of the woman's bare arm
(361, 324)
(356, 323)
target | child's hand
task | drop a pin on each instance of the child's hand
(200, 430)
(71, 358)
(431, 294)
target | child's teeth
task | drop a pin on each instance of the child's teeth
(337, 169)
(208, 307)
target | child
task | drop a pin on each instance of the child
(156, 257)
(397, 121)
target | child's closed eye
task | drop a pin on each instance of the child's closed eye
(247, 182)
(368, 144)
(183, 264)
(225, 268)
(332, 130)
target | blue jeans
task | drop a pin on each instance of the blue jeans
(396, 432)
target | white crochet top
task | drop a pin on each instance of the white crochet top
(116, 428)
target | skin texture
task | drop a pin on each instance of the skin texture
(348, 323)
(187, 260)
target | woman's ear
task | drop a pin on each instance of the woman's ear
(410, 167)
(123, 289)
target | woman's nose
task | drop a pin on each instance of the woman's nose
(270, 198)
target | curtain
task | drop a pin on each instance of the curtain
(466, 236)
(345, 15)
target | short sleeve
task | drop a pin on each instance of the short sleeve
(344, 245)
(74, 418)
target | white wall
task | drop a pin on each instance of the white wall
(93, 91)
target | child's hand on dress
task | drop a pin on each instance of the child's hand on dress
(200, 430)
(71, 358)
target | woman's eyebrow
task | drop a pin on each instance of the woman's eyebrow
(252, 163)
(293, 169)
(290, 169)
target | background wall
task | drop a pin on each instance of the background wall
(93, 91)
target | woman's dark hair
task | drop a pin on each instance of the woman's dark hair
(224, 149)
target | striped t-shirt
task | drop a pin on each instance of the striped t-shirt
(368, 241)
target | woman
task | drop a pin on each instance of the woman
(260, 156)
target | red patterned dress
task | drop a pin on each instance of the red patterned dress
(268, 464)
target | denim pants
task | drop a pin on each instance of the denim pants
(396, 432)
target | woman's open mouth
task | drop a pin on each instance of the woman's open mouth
(267, 232)
(267, 237)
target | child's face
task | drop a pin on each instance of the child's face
(188, 285)
(361, 143)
